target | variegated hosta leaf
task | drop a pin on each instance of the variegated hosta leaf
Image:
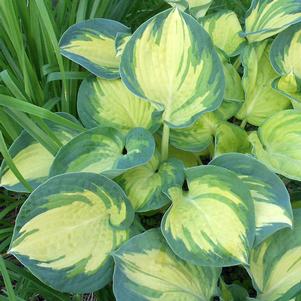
(197, 137)
(213, 222)
(120, 42)
(186, 80)
(109, 103)
(197, 8)
(261, 101)
(147, 269)
(271, 199)
(275, 265)
(91, 44)
(278, 143)
(68, 227)
(224, 29)
(230, 138)
(104, 150)
(145, 185)
(180, 4)
(266, 18)
(32, 159)
(285, 60)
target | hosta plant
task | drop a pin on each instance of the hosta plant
(192, 118)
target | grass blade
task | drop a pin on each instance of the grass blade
(7, 282)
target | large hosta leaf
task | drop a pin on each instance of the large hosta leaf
(104, 150)
(171, 61)
(271, 199)
(32, 159)
(109, 103)
(224, 29)
(266, 18)
(278, 143)
(67, 228)
(213, 222)
(147, 269)
(91, 44)
(261, 100)
(275, 265)
(145, 185)
(285, 59)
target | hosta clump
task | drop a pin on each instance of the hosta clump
(189, 85)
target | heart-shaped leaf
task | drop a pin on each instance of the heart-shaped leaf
(187, 80)
(275, 265)
(145, 185)
(278, 143)
(271, 199)
(110, 104)
(266, 18)
(68, 227)
(91, 44)
(147, 269)
(212, 223)
(104, 150)
(32, 159)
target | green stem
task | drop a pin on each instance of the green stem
(243, 124)
(165, 142)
